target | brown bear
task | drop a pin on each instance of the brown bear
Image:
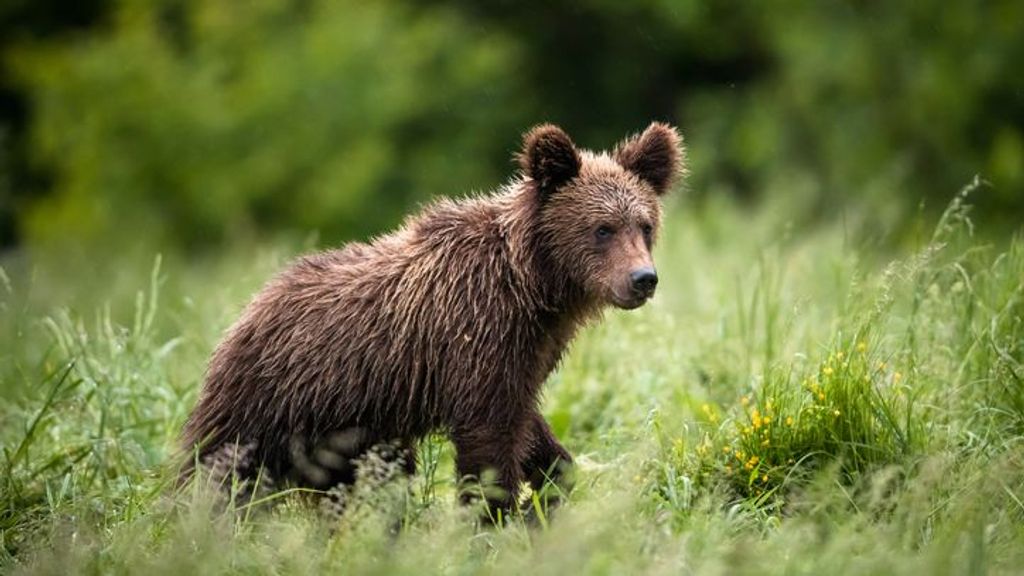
(450, 324)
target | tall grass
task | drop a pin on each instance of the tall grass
(789, 403)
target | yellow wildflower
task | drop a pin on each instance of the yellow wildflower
(789, 420)
(709, 413)
(861, 347)
(827, 370)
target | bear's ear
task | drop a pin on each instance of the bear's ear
(549, 157)
(655, 156)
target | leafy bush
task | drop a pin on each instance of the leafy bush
(195, 121)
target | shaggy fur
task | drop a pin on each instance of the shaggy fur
(450, 324)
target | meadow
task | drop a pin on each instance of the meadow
(841, 397)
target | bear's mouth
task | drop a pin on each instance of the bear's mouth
(633, 302)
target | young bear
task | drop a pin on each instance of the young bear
(450, 324)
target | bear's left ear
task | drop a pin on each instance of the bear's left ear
(655, 156)
(549, 157)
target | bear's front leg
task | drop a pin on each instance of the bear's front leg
(490, 465)
(547, 460)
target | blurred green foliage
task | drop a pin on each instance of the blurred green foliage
(199, 120)
(191, 122)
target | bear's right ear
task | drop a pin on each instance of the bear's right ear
(549, 157)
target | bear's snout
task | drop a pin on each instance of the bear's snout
(636, 288)
(644, 281)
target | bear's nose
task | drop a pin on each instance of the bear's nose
(644, 280)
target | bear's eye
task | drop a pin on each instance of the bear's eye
(604, 232)
(647, 229)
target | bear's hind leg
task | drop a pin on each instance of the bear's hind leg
(368, 473)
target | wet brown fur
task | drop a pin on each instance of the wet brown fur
(452, 323)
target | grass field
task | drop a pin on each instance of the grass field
(845, 397)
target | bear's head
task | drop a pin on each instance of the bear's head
(600, 212)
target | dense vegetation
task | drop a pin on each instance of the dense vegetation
(829, 379)
(191, 122)
(788, 403)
